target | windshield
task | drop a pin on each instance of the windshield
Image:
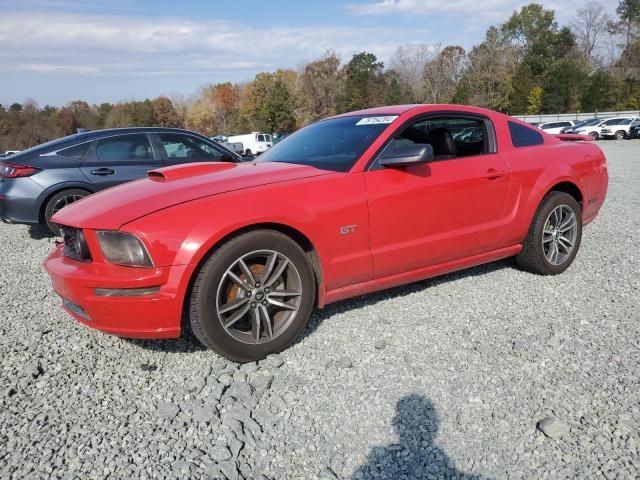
(334, 144)
(593, 121)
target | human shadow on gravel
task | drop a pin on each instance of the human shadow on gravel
(415, 456)
(372, 298)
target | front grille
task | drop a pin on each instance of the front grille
(75, 245)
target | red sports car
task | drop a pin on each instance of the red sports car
(242, 253)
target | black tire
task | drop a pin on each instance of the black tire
(248, 152)
(53, 203)
(620, 135)
(203, 304)
(594, 135)
(532, 257)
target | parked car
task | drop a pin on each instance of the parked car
(591, 128)
(634, 129)
(234, 147)
(617, 128)
(38, 182)
(357, 203)
(253, 143)
(578, 124)
(556, 127)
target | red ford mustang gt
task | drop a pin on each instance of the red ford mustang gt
(356, 203)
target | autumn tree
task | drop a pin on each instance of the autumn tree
(535, 101)
(489, 72)
(226, 103)
(442, 74)
(318, 89)
(164, 113)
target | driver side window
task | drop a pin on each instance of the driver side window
(451, 137)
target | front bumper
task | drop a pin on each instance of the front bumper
(155, 315)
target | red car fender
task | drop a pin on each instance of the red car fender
(520, 218)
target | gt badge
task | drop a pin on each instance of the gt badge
(347, 229)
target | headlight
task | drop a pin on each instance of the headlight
(123, 248)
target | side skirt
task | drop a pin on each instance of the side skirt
(327, 297)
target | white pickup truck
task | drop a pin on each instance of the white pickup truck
(253, 143)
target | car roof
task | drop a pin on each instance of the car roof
(106, 132)
(423, 107)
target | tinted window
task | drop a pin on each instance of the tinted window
(261, 138)
(187, 147)
(522, 136)
(123, 148)
(450, 137)
(77, 151)
(334, 144)
(551, 125)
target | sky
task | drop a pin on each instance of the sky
(56, 51)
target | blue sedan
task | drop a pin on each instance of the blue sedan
(36, 183)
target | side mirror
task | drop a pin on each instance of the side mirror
(405, 155)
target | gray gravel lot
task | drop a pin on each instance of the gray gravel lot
(487, 373)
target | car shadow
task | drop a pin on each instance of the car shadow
(373, 298)
(416, 454)
(39, 232)
(188, 343)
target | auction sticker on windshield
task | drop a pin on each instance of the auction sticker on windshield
(377, 120)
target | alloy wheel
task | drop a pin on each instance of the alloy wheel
(64, 201)
(559, 234)
(259, 296)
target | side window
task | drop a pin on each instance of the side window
(261, 138)
(522, 136)
(450, 137)
(134, 147)
(77, 151)
(185, 147)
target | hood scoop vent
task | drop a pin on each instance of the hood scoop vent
(176, 172)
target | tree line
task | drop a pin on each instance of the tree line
(527, 65)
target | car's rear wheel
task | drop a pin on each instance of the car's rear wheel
(554, 236)
(253, 296)
(620, 135)
(58, 202)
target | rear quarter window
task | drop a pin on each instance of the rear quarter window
(522, 136)
(77, 151)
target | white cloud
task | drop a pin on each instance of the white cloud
(119, 45)
(465, 10)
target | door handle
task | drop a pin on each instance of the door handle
(492, 174)
(103, 172)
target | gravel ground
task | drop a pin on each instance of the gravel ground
(487, 373)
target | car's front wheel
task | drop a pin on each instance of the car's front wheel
(554, 236)
(58, 202)
(253, 296)
(594, 135)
